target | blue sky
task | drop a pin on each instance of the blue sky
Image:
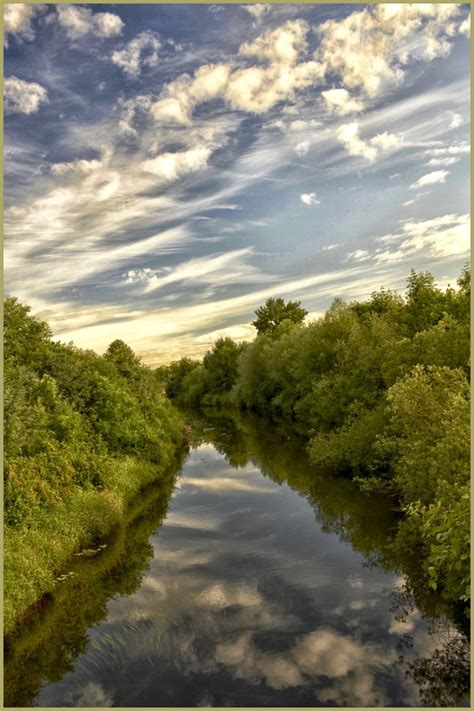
(169, 168)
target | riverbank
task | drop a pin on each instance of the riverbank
(84, 434)
(38, 554)
(381, 391)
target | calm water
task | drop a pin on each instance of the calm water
(243, 580)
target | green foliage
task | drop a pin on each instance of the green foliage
(275, 312)
(379, 388)
(174, 374)
(26, 338)
(82, 434)
(220, 365)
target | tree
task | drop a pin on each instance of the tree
(425, 302)
(274, 312)
(125, 360)
(27, 339)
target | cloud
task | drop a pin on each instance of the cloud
(22, 96)
(131, 59)
(465, 27)
(281, 46)
(258, 11)
(18, 21)
(385, 141)
(80, 21)
(417, 197)
(215, 270)
(370, 48)
(442, 237)
(360, 255)
(437, 176)
(340, 102)
(170, 166)
(348, 135)
(77, 166)
(443, 161)
(309, 199)
(302, 125)
(454, 150)
(302, 148)
(181, 96)
(255, 89)
(456, 120)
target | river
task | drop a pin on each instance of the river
(242, 579)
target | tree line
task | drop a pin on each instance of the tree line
(380, 389)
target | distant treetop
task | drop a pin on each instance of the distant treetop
(275, 311)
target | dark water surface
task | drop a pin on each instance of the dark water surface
(244, 580)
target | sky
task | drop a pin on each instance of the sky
(168, 168)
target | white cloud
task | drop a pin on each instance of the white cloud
(443, 162)
(216, 270)
(370, 48)
(80, 21)
(22, 96)
(182, 95)
(258, 11)
(77, 166)
(170, 166)
(442, 237)
(348, 135)
(465, 27)
(417, 197)
(309, 199)
(302, 148)
(456, 120)
(255, 89)
(437, 176)
(385, 141)
(360, 255)
(454, 150)
(281, 46)
(302, 125)
(18, 21)
(131, 59)
(339, 101)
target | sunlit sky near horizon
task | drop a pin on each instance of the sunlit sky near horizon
(170, 167)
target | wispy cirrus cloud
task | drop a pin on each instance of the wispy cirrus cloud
(433, 178)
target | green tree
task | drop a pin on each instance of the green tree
(27, 339)
(274, 312)
(124, 359)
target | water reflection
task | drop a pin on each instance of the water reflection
(241, 598)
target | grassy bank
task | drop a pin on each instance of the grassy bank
(46, 647)
(83, 435)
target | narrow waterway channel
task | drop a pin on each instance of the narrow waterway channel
(243, 580)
